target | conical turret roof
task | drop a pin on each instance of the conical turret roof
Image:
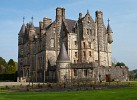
(63, 56)
(31, 25)
(109, 30)
(22, 30)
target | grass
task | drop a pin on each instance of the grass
(129, 93)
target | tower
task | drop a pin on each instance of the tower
(63, 65)
(100, 38)
(60, 16)
(109, 44)
(21, 49)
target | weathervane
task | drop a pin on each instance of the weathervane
(87, 11)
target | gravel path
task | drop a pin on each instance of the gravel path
(25, 83)
(15, 83)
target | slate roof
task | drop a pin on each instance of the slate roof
(109, 30)
(22, 30)
(37, 30)
(70, 24)
(63, 56)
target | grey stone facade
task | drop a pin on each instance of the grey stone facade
(86, 43)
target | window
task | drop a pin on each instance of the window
(85, 72)
(75, 42)
(84, 45)
(54, 30)
(89, 44)
(84, 53)
(21, 68)
(40, 45)
(28, 73)
(87, 31)
(76, 54)
(75, 61)
(52, 42)
(89, 53)
(21, 51)
(75, 72)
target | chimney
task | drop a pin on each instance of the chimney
(99, 14)
(46, 22)
(41, 25)
(60, 14)
(63, 13)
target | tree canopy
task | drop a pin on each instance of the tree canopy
(9, 67)
(11, 62)
(120, 64)
(3, 62)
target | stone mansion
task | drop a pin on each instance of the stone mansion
(67, 50)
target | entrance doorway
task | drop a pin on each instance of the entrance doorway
(108, 78)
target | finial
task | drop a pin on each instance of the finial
(23, 19)
(108, 20)
(87, 11)
(32, 18)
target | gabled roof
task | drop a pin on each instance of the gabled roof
(63, 56)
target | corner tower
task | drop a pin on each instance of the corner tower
(109, 44)
(63, 65)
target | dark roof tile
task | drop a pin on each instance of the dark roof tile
(63, 56)
(70, 24)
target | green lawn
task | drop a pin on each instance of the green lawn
(113, 94)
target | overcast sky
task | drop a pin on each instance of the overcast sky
(122, 15)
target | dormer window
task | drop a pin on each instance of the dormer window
(88, 20)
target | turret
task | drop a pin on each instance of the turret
(109, 32)
(32, 32)
(100, 36)
(63, 65)
(100, 30)
(80, 15)
(21, 33)
(22, 30)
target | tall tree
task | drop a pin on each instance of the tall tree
(11, 69)
(3, 62)
(11, 62)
